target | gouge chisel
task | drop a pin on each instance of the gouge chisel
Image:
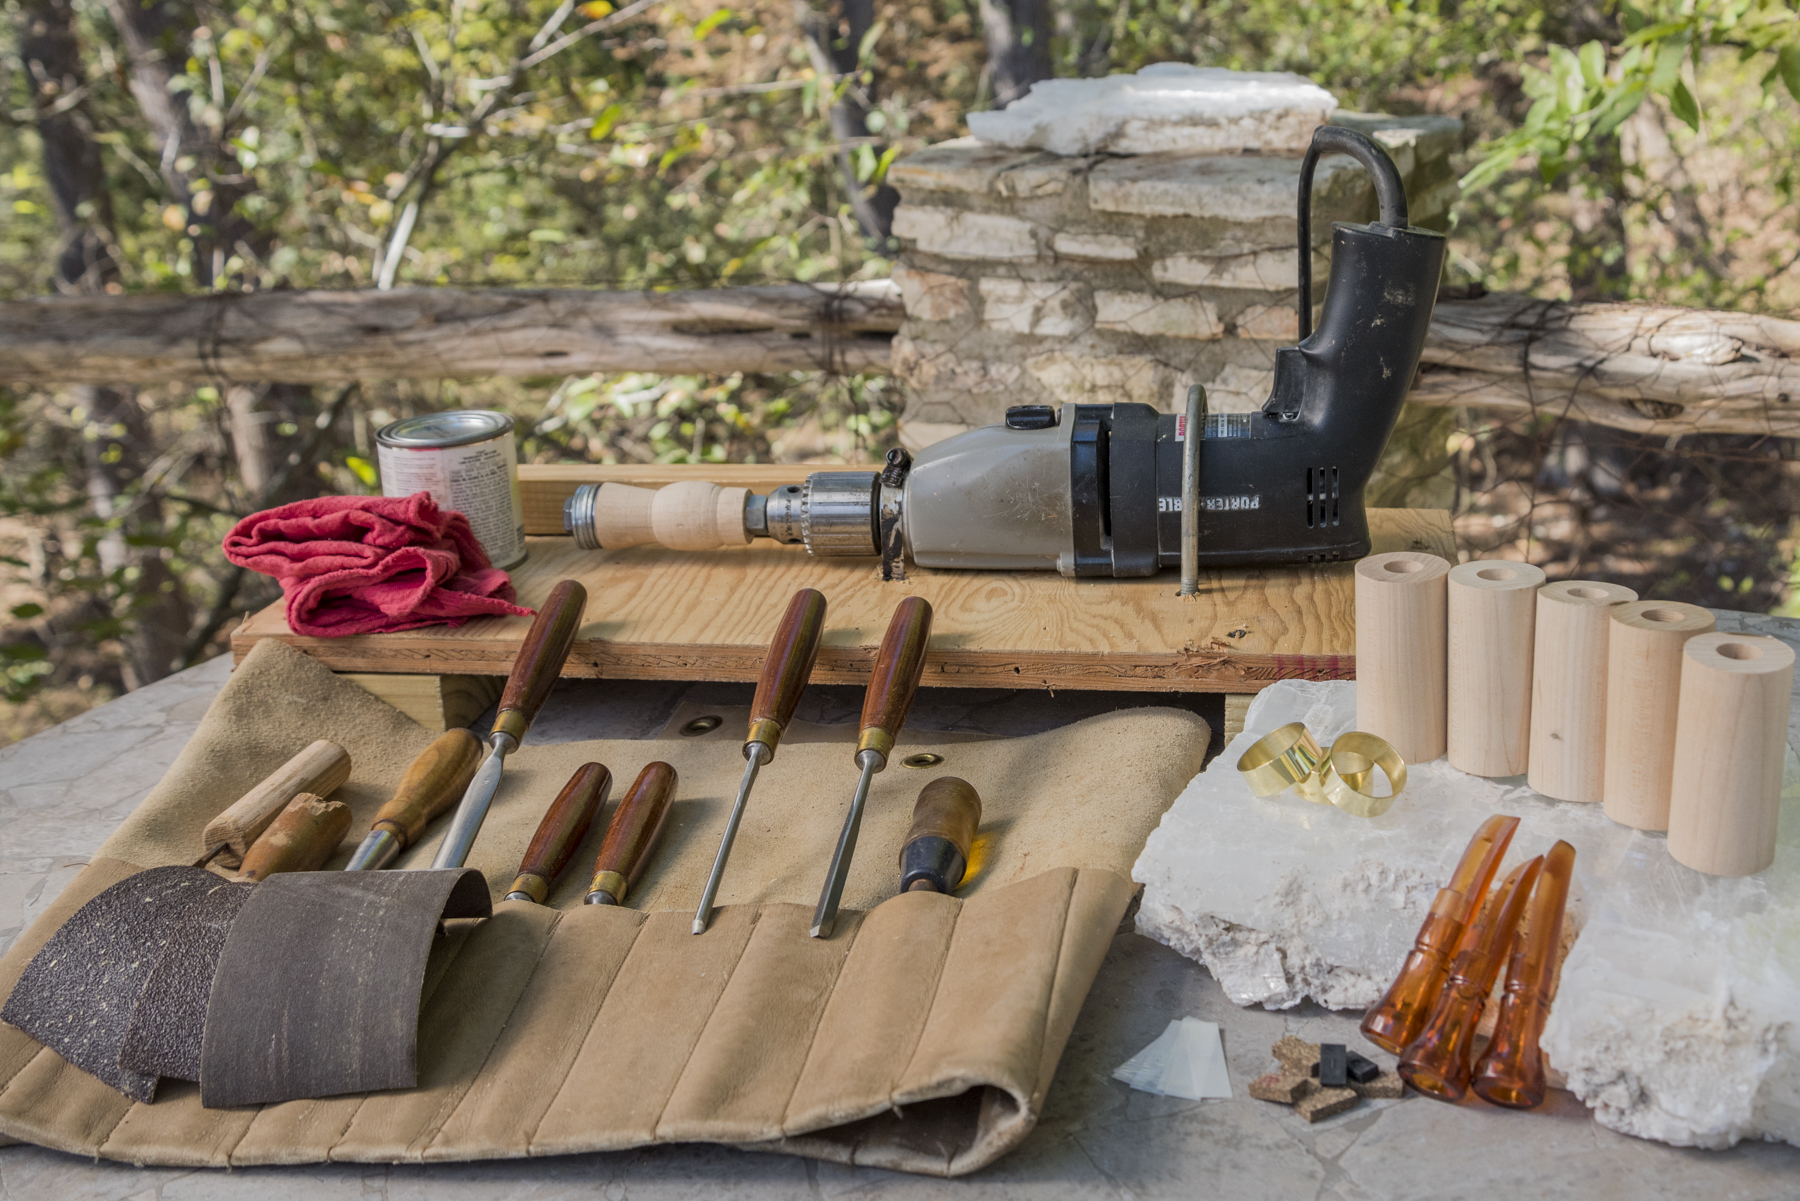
(636, 825)
(432, 783)
(564, 826)
(898, 665)
(539, 662)
(785, 671)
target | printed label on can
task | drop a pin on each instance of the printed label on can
(480, 481)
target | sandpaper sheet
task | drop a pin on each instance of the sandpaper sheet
(170, 1015)
(78, 993)
(318, 987)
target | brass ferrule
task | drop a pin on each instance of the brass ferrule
(1347, 776)
(529, 886)
(876, 739)
(1281, 760)
(765, 730)
(512, 723)
(608, 888)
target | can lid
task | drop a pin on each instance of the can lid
(459, 427)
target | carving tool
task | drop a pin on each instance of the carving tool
(935, 855)
(564, 826)
(1120, 489)
(539, 662)
(1437, 1062)
(1511, 1070)
(1401, 1014)
(898, 665)
(636, 825)
(785, 670)
(435, 779)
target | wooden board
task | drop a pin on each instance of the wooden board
(667, 615)
(435, 702)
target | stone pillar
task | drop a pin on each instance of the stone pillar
(1033, 278)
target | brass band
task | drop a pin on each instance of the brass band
(1347, 777)
(611, 883)
(529, 886)
(1280, 760)
(765, 730)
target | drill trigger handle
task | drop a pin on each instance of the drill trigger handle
(1390, 196)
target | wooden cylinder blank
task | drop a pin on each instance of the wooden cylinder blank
(1643, 682)
(1730, 736)
(1492, 613)
(690, 515)
(1568, 688)
(1400, 651)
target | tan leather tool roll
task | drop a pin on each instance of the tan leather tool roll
(923, 1036)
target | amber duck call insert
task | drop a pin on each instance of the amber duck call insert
(1437, 1062)
(1511, 1071)
(1402, 1013)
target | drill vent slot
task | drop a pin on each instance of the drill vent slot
(1321, 497)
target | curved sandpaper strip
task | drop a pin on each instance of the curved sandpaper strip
(170, 1016)
(318, 988)
(77, 994)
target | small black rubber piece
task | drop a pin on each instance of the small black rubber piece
(1362, 1070)
(1030, 417)
(1334, 1065)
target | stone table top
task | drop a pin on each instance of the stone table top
(62, 791)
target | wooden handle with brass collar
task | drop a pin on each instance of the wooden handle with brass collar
(564, 826)
(786, 670)
(898, 666)
(636, 825)
(540, 659)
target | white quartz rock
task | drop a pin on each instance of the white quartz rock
(1165, 107)
(1678, 1016)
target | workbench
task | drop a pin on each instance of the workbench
(62, 791)
(656, 614)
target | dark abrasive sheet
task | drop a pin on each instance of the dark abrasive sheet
(170, 1017)
(77, 995)
(318, 988)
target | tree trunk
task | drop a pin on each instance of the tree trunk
(835, 45)
(116, 429)
(1018, 46)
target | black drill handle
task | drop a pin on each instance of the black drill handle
(1390, 196)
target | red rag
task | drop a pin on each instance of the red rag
(369, 564)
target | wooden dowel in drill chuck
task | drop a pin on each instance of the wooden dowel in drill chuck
(1400, 651)
(1492, 612)
(1730, 736)
(1568, 688)
(1643, 684)
(690, 515)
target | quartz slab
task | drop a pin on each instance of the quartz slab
(1678, 1009)
(1165, 107)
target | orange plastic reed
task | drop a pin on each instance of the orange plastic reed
(1437, 1062)
(1511, 1071)
(1397, 1020)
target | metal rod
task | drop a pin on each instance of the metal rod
(472, 811)
(825, 916)
(378, 849)
(756, 754)
(1190, 491)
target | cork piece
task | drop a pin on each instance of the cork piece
(1283, 1088)
(1326, 1102)
(1386, 1087)
(1297, 1056)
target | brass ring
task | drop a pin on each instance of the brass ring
(1281, 759)
(1347, 776)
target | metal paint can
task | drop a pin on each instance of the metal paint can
(467, 460)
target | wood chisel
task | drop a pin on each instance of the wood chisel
(636, 825)
(564, 826)
(539, 663)
(935, 855)
(785, 671)
(898, 665)
(433, 782)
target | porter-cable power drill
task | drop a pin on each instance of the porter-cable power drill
(1120, 489)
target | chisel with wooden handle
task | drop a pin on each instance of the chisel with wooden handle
(785, 671)
(898, 666)
(535, 669)
(632, 835)
(935, 855)
(564, 826)
(433, 782)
